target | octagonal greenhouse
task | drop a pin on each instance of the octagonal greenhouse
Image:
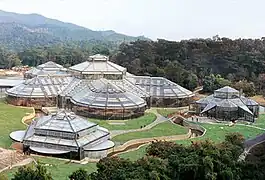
(105, 100)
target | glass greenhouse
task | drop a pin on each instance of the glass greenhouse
(97, 67)
(228, 104)
(97, 88)
(38, 92)
(163, 92)
(105, 100)
(48, 68)
(68, 134)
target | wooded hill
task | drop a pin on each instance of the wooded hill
(22, 31)
(214, 62)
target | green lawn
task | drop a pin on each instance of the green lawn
(136, 123)
(162, 129)
(10, 120)
(165, 112)
(217, 132)
(134, 155)
(260, 121)
(59, 169)
(214, 132)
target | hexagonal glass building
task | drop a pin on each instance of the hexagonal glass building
(67, 135)
(228, 104)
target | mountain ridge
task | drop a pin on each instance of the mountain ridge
(34, 29)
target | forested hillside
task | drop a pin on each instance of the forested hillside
(210, 62)
(190, 61)
(21, 31)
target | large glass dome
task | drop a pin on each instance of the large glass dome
(105, 99)
(102, 93)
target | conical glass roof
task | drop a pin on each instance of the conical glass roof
(48, 68)
(104, 94)
(160, 87)
(226, 93)
(227, 98)
(226, 89)
(63, 121)
(98, 57)
(40, 86)
(50, 65)
(64, 129)
(98, 64)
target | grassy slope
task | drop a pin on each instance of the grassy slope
(166, 112)
(10, 120)
(60, 169)
(163, 129)
(129, 124)
(214, 132)
(261, 121)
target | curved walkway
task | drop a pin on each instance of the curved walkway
(248, 144)
(251, 143)
(159, 119)
(135, 144)
(28, 117)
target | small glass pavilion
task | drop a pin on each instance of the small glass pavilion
(48, 68)
(228, 104)
(67, 134)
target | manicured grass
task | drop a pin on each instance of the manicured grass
(260, 121)
(10, 120)
(136, 123)
(59, 169)
(215, 133)
(165, 112)
(162, 129)
(134, 155)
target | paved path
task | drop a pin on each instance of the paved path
(248, 144)
(159, 119)
(213, 121)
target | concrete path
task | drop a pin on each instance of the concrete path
(159, 119)
(213, 121)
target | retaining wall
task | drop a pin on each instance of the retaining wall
(148, 140)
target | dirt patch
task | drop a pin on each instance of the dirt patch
(10, 157)
(17, 146)
(259, 99)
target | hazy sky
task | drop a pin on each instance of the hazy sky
(169, 19)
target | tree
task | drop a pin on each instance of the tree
(213, 82)
(30, 173)
(167, 160)
(247, 87)
(80, 174)
(98, 49)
